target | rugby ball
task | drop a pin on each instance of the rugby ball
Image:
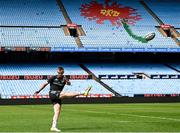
(150, 36)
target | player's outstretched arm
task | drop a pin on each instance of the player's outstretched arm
(42, 87)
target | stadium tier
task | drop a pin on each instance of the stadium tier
(142, 86)
(35, 38)
(33, 13)
(39, 69)
(126, 68)
(108, 25)
(113, 36)
(125, 79)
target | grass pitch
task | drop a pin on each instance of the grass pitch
(93, 118)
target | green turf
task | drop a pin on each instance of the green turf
(93, 118)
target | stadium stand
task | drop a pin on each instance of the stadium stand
(39, 69)
(33, 13)
(126, 87)
(117, 37)
(28, 87)
(145, 86)
(47, 13)
(35, 38)
(138, 86)
(126, 68)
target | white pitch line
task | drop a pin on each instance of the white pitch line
(153, 117)
(142, 116)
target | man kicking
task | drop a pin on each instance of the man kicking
(57, 84)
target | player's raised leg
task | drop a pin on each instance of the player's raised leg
(70, 95)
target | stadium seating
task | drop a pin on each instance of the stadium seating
(126, 68)
(35, 38)
(33, 13)
(126, 87)
(40, 69)
(43, 13)
(28, 87)
(145, 86)
(117, 37)
(138, 86)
